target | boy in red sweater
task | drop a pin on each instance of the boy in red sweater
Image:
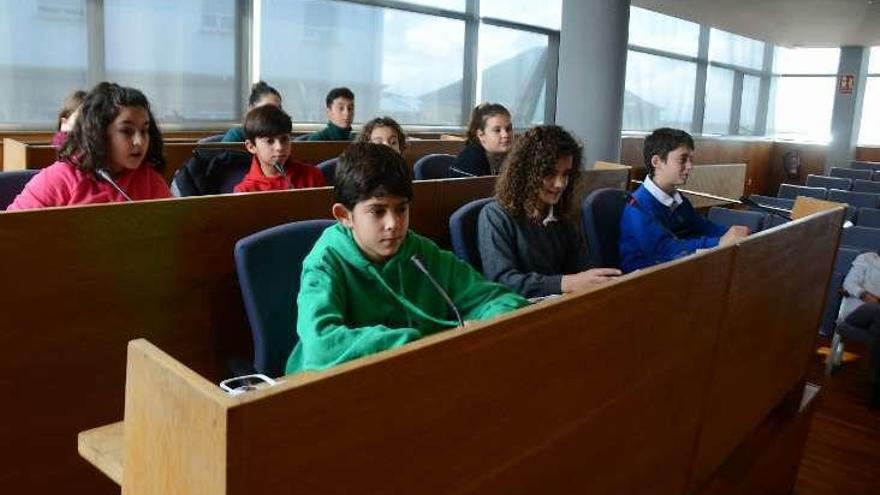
(267, 137)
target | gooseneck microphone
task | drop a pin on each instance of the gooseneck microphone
(462, 172)
(105, 174)
(778, 212)
(421, 266)
(279, 167)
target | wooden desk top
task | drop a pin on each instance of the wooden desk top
(103, 448)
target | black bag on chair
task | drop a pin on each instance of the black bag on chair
(210, 171)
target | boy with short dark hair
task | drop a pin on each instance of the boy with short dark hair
(361, 291)
(340, 115)
(267, 137)
(658, 223)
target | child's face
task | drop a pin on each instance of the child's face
(128, 139)
(341, 112)
(270, 150)
(387, 136)
(674, 170)
(379, 225)
(497, 135)
(554, 184)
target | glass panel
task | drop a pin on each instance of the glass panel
(652, 30)
(405, 65)
(180, 54)
(748, 114)
(733, 49)
(719, 95)
(546, 14)
(874, 63)
(802, 107)
(869, 132)
(806, 60)
(513, 71)
(456, 5)
(659, 92)
(42, 62)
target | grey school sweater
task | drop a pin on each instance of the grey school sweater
(529, 258)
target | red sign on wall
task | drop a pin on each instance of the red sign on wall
(847, 83)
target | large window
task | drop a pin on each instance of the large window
(543, 14)
(513, 72)
(719, 98)
(748, 118)
(43, 58)
(422, 62)
(802, 93)
(391, 59)
(659, 92)
(650, 29)
(737, 50)
(869, 131)
(670, 59)
(180, 54)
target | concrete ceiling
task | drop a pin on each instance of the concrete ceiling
(807, 23)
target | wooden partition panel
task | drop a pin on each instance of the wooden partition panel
(777, 289)
(83, 281)
(577, 395)
(868, 153)
(188, 440)
(756, 154)
(21, 156)
(726, 180)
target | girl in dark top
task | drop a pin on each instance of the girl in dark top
(529, 238)
(489, 138)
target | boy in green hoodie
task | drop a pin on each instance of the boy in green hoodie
(361, 293)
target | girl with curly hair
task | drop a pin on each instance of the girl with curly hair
(384, 130)
(529, 238)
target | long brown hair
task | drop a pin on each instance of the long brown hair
(534, 157)
(479, 116)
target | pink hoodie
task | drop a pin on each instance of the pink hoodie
(62, 184)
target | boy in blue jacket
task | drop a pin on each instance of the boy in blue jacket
(658, 223)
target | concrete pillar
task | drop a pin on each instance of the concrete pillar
(592, 74)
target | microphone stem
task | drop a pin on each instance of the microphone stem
(416, 261)
(104, 174)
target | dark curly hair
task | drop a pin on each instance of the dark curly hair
(86, 145)
(533, 158)
(364, 136)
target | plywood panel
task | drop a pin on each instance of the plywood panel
(755, 153)
(720, 180)
(539, 402)
(774, 305)
(83, 281)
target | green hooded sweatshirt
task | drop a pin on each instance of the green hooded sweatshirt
(350, 307)
(331, 133)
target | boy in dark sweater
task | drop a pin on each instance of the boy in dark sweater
(340, 115)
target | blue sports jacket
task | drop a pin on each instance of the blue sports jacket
(651, 233)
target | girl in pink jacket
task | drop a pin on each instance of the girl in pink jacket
(113, 153)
